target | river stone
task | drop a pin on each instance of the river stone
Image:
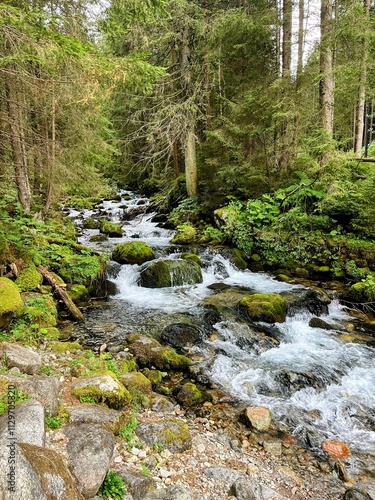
(103, 388)
(40, 474)
(319, 323)
(21, 357)
(166, 273)
(163, 405)
(137, 484)
(242, 489)
(189, 395)
(45, 389)
(29, 419)
(181, 334)
(258, 417)
(136, 380)
(314, 299)
(135, 252)
(111, 420)
(89, 449)
(336, 449)
(266, 307)
(173, 492)
(172, 433)
(363, 490)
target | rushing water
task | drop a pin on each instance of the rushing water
(314, 382)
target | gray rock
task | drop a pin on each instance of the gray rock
(180, 334)
(102, 389)
(162, 404)
(172, 433)
(166, 273)
(39, 473)
(242, 489)
(90, 449)
(173, 492)
(45, 390)
(29, 424)
(137, 484)
(111, 420)
(363, 490)
(222, 474)
(21, 357)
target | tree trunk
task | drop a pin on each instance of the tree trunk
(362, 86)
(191, 164)
(287, 38)
(327, 84)
(301, 19)
(18, 141)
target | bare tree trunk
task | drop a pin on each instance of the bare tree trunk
(301, 19)
(278, 42)
(327, 83)
(176, 163)
(362, 86)
(51, 156)
(287, 38)
(17, 127)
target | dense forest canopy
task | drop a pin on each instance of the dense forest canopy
(214, 101)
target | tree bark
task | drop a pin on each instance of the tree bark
(301, 19)
(362, 86)
(327, 83)
(191, 164)
(287, 38)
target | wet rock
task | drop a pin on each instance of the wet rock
(269, 308)
(211, 316)
(185, 235)
(172, 433)
(314, 300)
(173, 492)
(319, 323)
(78, 294)
(135, 252)
(137, 484)
(190, 395)
(181, 334)
(336, 449)
(89, 449)
(111, 420)
(136, 380)
(40, 473)
(102, 389)
(223, 301)
(363, 490)
(167, 273)
(91, 223)
(258, 418)
(193, 257)
(21, 357)
(149, 353)
(318, 377)
(29, 421)
(111, 228)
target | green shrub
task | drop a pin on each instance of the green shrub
(113, 486)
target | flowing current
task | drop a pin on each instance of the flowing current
(319, 383)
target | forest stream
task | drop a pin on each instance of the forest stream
(318, 382)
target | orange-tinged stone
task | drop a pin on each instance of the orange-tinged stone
(336, 449)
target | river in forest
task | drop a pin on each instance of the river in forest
(318, 383)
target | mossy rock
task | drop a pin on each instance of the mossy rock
(300, 272)
(166, 273)
(270, 308)
(186, 235)
(62, 347)
(91, 223)
(238, 259)
(10, 300)
(172, 433)
(359, 292)
(221, 216)
(136, 380)
(39, 309)
(127, 365)
(29, 279)
(6, 256)
(154, 376)
(97, 238)
(78, 294)
(113, 229)
(104, 388)
(135, 252)
(193, 257)
(83, 269)
(190, 395)
(149, 353)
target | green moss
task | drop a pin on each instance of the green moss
(29, 279)
(39, 309)
(78, 294)
(97, 238)
(62, 347)
(136, 380)
(154, 376)
(111, 228)
(186, 235)
(98, 392)
(193, 257)
(135, 252)
(83, 269)
(166, 273)
(190, 395)
(238, 258)
(10, 298)
(269, 308)
(91, 223)
(127, 365)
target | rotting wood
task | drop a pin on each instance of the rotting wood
(59, 289)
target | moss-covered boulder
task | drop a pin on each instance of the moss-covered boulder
(78, 294)
(62, 347)
(135, 252)
(29, 279)
(166, 273)
(193, 257)
(190, 395)
(83, 269)
(91, 223)
(267, 307)
(104, 388)
(149, 353)
(221, 216)
(98, 238)
(113, 229)
(136, 380)
(154, 376)
(10, 300)
(172, 433)
(39, 309)
(186, 235)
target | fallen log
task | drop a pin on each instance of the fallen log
(59, 289)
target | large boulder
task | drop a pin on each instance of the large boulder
(104, 388)
(29, 279)
(266, 307)
(165, 273)
(314, 299)
(10, 300)
(90, 450)
(172, 433)
(23, 358)
(135, 252)
(181, 334)
(111, 228)
(186, 235)
(137, 484)
(111, 420)
(29, 424)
